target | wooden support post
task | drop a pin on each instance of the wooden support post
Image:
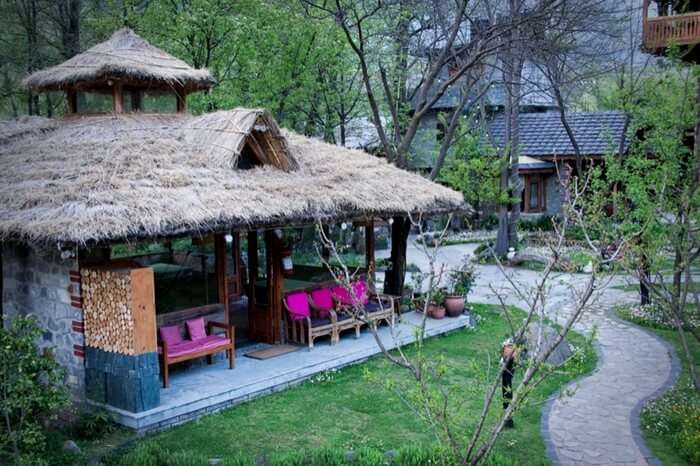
(2, 290)
(252, 268)
(396, 275)
(118, 97)
(235, 275)
(72, 98)
(325, 250)
(222, 285)
(181, 97)
(369, 252)
(275, 284)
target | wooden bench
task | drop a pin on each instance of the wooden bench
(189, 349)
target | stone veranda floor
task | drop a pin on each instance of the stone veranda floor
(599, 422)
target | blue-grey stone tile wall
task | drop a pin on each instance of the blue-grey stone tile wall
(130, 383)
(38, 282)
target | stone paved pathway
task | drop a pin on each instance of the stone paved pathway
(599, 423)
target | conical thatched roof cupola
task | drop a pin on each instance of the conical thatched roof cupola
(125, 66)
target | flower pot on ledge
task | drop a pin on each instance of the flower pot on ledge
(436, 311)
(454, 305)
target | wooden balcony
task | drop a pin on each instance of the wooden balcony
(661, 31)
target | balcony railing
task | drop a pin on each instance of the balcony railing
(661, 31)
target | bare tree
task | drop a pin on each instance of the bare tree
(430, 399)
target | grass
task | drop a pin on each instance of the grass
(352, 409)
(659, 417)
(692, 288)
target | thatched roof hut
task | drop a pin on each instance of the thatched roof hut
(126, 57)
(132, 176)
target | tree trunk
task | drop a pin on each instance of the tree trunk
(644, 278)
(396, 273)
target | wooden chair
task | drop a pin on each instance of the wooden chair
(173, 349)
(377, 307)
(301, 326)
(321, 302)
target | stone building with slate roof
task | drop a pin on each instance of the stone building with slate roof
(546, 151)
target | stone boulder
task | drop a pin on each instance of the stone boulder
(549, 335)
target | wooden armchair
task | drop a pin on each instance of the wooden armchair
(321, 302)
(301, 326)
(377, 307)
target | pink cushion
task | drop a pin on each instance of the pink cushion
(195, 327)
(323, 300)
(342, 296)
(188, 347)
(171, 335)
(360, 290)
(298, 304)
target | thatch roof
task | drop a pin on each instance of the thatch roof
(127, 57)
(130, 176)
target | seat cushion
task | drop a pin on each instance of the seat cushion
(320, 322)
(374, 306)
(171, 335)
(188, 347)
(195, 328)
(298, 305)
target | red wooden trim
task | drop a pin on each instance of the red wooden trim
(76, 301)
(79, 350)
(74, 276)
(78, 326)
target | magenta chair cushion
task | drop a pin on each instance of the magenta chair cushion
(342, 296)
(171, 335)
(195, 328)
(298, 304)
(323, 300)
(359, 289)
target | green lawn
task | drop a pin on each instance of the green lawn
(350, 409)
(693, 288)
(660, 418)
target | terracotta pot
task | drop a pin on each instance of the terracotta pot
(454, 305)
(436, 311)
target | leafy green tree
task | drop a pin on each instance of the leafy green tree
(474, 170)
(654, 194)
(31, 392)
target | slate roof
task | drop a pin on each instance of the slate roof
(528, 163)
(543, 135)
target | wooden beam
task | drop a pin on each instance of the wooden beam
(2, 290)
(221, 283)
(369, 252)
(275, 284)
(72, 98)
(118, 97)
(181, 97)
(252, 268)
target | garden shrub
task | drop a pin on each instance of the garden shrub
(677, 416)
(151, 454)
(542, 223)
(32, 393)
(94, 425)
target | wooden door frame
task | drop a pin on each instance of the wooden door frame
(541, 192)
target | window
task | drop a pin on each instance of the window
(93, 102)
(534, 194)
(149, 101)
(184, 270)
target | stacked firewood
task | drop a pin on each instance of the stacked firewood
(107, 309)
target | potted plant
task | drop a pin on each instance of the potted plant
(461, 281)
(436, 310)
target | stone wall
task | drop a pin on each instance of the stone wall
(40, 283)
